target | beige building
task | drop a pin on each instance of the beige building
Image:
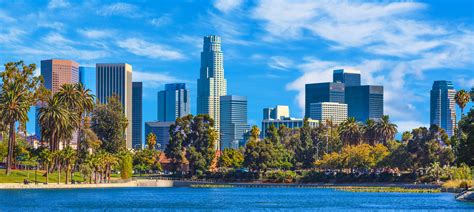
(333, 111)
(116, 78)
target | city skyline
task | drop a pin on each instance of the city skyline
(258, 58)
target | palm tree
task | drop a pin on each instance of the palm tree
(69, 96)
(69, 156)
(385, 129)
(18, 94)
(370, 131)
(57, 156)
(86, 105)
(350, 132)
(461, 98)
(151, 141)
(435, 171)
(46, 157)
(54, 118)
(109, 161)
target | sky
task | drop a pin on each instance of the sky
(272, 48)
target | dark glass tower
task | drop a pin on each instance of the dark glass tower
(365, 102)
(442, 106)
(233, 120)
(323, 92)
(173, 102)
(349, 77)
(137, 125)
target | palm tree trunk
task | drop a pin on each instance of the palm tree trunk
(67, 171)
(47, 173)
(59, 173)
(11, 144)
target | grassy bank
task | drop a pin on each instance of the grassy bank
(210, 186)
(385, 189)
(18, 176)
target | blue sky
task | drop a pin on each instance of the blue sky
(271, 48)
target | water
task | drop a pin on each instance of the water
(268, 199)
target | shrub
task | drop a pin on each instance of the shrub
(281, 176)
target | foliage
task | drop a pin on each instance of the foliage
(125, 165)
(462, 98)
(465, 147)
(385, 130)
(231, 158)
(350, 131)
(147, 159)
(362, 157)
(280, 176)
(151, 141)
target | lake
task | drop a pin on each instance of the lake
(222, 199)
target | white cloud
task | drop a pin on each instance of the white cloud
(10, 35)
(120, 9)
(53, 4)
(409, 125)
(95, 33)
(153, 79)
(52, 25)
(56, 39)
(280, 63)
(226, 6)
(161, 21)
(151, 50)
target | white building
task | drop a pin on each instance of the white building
(323, 111)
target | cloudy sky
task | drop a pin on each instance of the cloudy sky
(271, 48)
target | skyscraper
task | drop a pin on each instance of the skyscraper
(233, 120)
(116, 78)
(173, 102)
(333, 111)
(350, 77)
(161, 130)
(279, 112)
(323, 92)
(365, 102)
(87, 77)
(211, 82)
(137, 115)
(442, 107)
(56, 73)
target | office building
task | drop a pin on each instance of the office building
(56, 73)
(173, 102)
(161, 130)
(279, 112)
(116, 79)
(442, 107)
(365, 102)
(233, 121)
(332, 111)
(292, 123)
(323, 92)
(87, 77)
(350, 77)
(137, 115)
(211, 83)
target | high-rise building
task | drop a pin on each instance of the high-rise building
(279, 112)
(365, 102)
(332, 111)
(288, 122)
(116, 79)
(161, 130)
(87, 77)
(211, 83)
(137, 115)
(350, 77)
(56, 73)
(442, 107)
(173, 102)
(233, 121)
(323, 92)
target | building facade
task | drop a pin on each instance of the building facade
(323, 92)
(350, 77)
(173, 102)
(442, 106)
(233, 121)
(211, 83)
(333, 111)
(116, 79)
(137, 115)
(87, 77)
(55, 74)
(278, 112)
(292, 123)
(161, 130)
(365, 102)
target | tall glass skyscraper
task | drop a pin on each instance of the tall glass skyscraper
(211, 83)
(137, 126)
(173, 102)
(442, 107)
(116, 78)
(323, 92)
(233, 121)
(350, 77)
(87, 77)
(55, 74)
(364, 102)
(161, 130)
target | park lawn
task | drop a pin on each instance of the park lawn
(17, 176)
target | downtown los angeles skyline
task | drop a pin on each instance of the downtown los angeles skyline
(271, 48)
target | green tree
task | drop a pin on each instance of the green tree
(85, 106)
(68, 156)
(304, 153)
(109, 124)
(435, 171)
(231, 158)
(146, 159)
(125, 164)
(272, 134)
(465, 146)
(151, 141)
(370, 131)
(350, 132)
(19, 91)
(46, 157)
(406, 136)
(179, 133)
(54, 119)
(386, 130)
(461, 98)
